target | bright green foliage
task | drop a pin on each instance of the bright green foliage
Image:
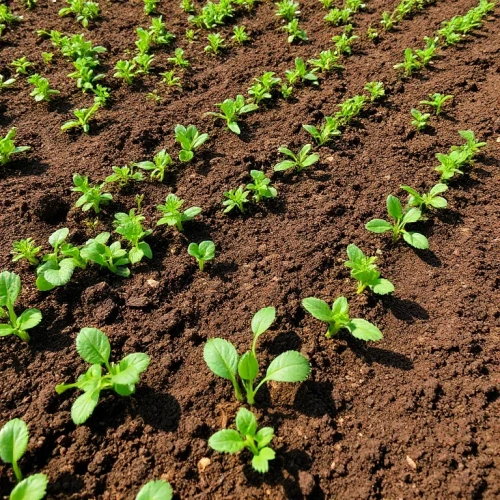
(42, 90)
(263, 87)
(215, 43)
(84, 74)
(294, 32)
(240, 35)
(170, 79)
(83, 116)
(231, 110)
(403, 10)
(161, 161)
(338, 317)
(102, 95)
(287, 9)
(127, 70)
(286, 90)
(188, 6)
(327, 4)
(92, 196)
(8, 147)
(190, 35)
(58, 267)
(143, 61)
(326, 61)
(398, 228)
(144, 40)
(349, 109)
(123, 175)
(365, 271)
(202, 252)
(6, 83)
(338, 16)
(213, 14)
(427, 200)
(326, 132)
(420, 120)
(343, 42)
(30, 4)
(10, 289)
(178, 59)
(247, 436)
(94, 348)
(172, 215)
(32, 488)
(410, 63)
(159, 33)
(235, 198)
(372, 34)
(375, 89)
(190, 140)
(150, 6)
(130, 227)
(261, 186)
(22, 64)
(155, 490)
(436, 101)
(25, 249)
(298, 161)
(112, 257)
(75, 47)
(222, 358)
(47, 57)
(83, 10)
(429, 52)
(7, 17)
(301, 73)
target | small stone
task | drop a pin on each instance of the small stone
(306, 483)
(411, 462)
(153, 283)
(203, 463)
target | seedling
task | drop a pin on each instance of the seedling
(170, 79)
(94, 348)
(161, 161)
(235, 198)
(410, 63)
(86, 78)
(190, 140)
(150, 6)
(83, 116)
(172, 214)
(286, 90)
(155, 490)
(22, 64)
(436, 101)
(429, 52)
(365, 271)
(372, 34)
(263, 86)
(25, 249)
(30, 4)
(144, 41)
(10, 288)
(233, 109)
(124, 175)
(8, 147)
(215, 43)
(159, 32)
(144, 62)
(349, 109)
(301, 73)
(222, 358)
(247, 436)
(326, 132)
(6, 83)
(420, 120)
(112, 257)
(338, 317)
(7, 17)
(127, 70)
(298, 161)
(213, 14)
(102, 95)
(188, 6)
(427, 200)
(178, 59)
(471, 147)
(327, 61)
(83, 10)
(42, 90)
(92, 196)
(327, 4)
(130, 227)
(47, 57)
(375, 89)
(338, 16)
(398, 229)
(190, 35)
(202, 252)
(287, 9)
(343, 42)
(240, 35)
(294, 32)
(261, 186)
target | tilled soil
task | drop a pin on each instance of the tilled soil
(413, 416)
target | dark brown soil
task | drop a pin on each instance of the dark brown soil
(414, 416)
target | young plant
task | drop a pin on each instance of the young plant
(235, 198)
(112, 257)
(215, 43)
(92, 196)
(123, 175)
(327, 61)
(83, 116)
(25, 249)
(9, 148)
(287, 10)
(338, 16)
(343, 42)
(471, 147)
(231, 109)
(7, 17)
(188, 6)
(375, 89)
(261, 186)
(436, 101)
(47, 57)
(83, 10)
(178, 59)
(298, 161)
(301, 73)
(286, 90)
(130, 227)
(22, 64)
(191, 35)
(144, 62)
(429, 52)
(420, 120)
(427, 200)
(127, 70)
(372, 34)
(398, 228)
(263, 86)
(170, 79)
(42, 90)
(10, 288)
(190, 140)
(202, 252)
(294, 32)
(150, 6)
(365, 271)
(222, 358)
(6, 83)
(349, 109)
(102, 95)
(161, 161)
(84, 74)
(247, 436)
(338, 317)
(172, 215)
(94, 348)
(155, 490)
(410, 63)
(159, 32)
(326, 132)
(240, 35)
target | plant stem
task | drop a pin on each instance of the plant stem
(17, 471)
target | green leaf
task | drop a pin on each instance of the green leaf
(364, 330)
(84, 405)
(234, 127)
(340, 306)
(226, 441)
(32, 488)
(262, 320)
(221, 357)
(437, 189)
(13, 440)
(439, 202)
(260, 462)
(318, 308)
(246, 422)
(394, 208)
(264, 436)
(58, 237)
(135, 255)
(93, 346)
(29, 319)
(354, 253)
(413, 215)
(248, 366)
(378, 226)
(290, 366)
(284, 165)
(124, 390)
(310, 160)
(61, 274)
(186, 155)
(381, 286)
(416, 240)
(155, 490)
(131, 367)
(10, 288)
(6, 330)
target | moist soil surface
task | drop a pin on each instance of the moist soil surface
(412, 416)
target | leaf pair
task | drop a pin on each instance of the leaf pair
(190, 140)
(231, 109)
(202, 252)
(172, 214)
(298, 161)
